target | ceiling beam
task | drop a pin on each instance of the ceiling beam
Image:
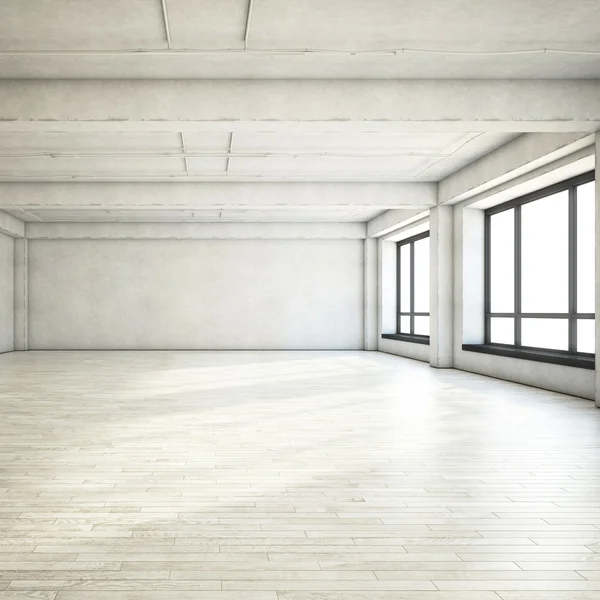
(194, 231)
(11, 226)
(216, 195)
(520, 156)
(227, 154)
(333, 105)
(391, 220)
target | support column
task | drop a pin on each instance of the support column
(21, 303)
(441, 222)
(470, 296)
(370, 293)
(597, 269)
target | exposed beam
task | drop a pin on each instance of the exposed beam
(182, 177)
(522, 155)
(227, 154)
(216, 195)
(292, 127)
(392, 220)
(194, 231)
(11, 226)
(268, 51)
(260, 105)
(546, 175)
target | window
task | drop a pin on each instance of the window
(413, 287)
(540, 270)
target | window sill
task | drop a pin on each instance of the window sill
(546, 356)
(414, 339)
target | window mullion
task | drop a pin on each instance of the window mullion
(487, 280)
(398, 286)
(412, 288)
(517, 276)
(572, 269)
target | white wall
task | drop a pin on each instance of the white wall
(196, 294)
(6, 293)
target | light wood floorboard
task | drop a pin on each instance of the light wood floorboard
(290, 476)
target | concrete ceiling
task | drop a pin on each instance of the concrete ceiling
(222, 156)
(231, 138)
(313, 39)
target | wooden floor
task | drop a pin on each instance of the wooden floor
(290, 476)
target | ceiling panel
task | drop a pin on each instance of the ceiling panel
(89, 142)
(360, 143)
(207, 141)
(431, 24)
(207, 23)
(265, 156)
(405, 166)
(476, 148)
(106, 166)
(200, 166)
(111, 28)
(81, 25)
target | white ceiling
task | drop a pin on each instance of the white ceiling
(307, 39)
(255, 39)
(216, 156)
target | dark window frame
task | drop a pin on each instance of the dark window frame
(572, 316)
(412, 336)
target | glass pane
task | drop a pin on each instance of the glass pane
(404, 324)
(405, 278)
(545, 333)
(502, 261)
(545, 254)
(585, 248)
(502, 331)
(586, 336)
(422, 325)
(421, 249)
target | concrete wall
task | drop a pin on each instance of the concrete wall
(6, 293)
(406, 349)
(196, 294)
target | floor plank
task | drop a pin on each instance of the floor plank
(290, 476)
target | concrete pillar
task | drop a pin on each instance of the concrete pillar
(387, 287)
(370, 294)
(441, 221)
(597, 269)
(21, 303)
(472, 286)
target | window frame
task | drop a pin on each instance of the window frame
(572, 316)
(414, 337)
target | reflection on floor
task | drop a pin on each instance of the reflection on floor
(291, 476)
